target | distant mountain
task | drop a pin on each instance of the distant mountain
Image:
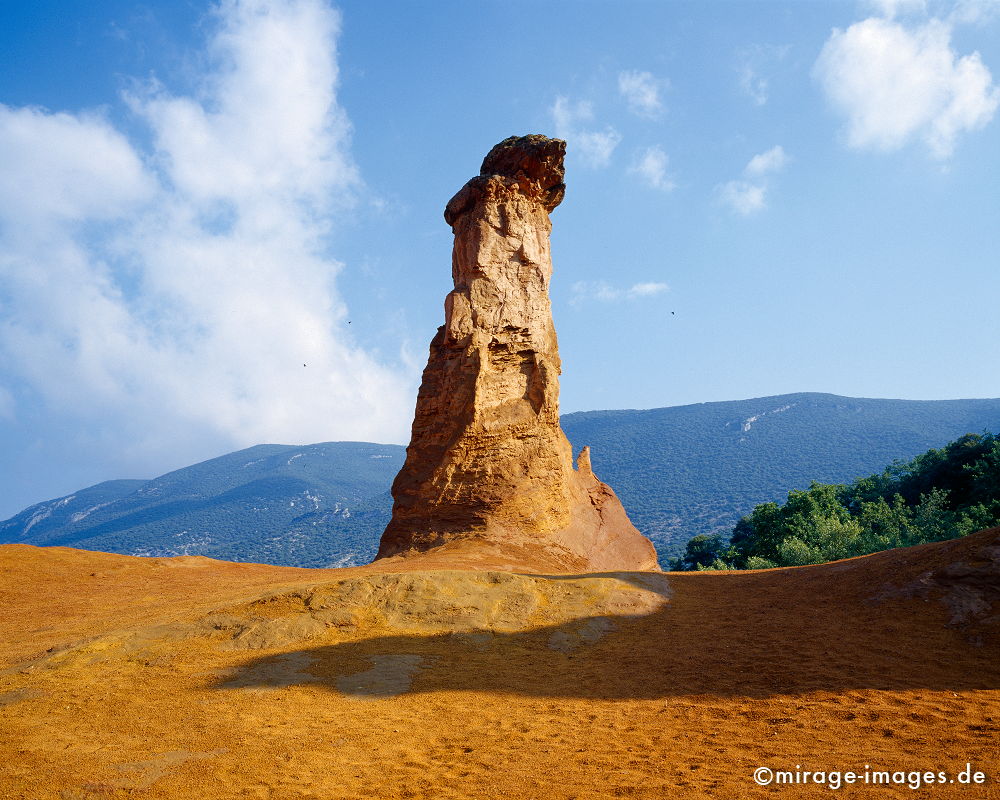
(679, 471)
(686, 470)
(317, 505)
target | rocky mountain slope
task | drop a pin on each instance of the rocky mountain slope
(688, 470)
(317, 505)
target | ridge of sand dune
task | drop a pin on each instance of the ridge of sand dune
(177, 678)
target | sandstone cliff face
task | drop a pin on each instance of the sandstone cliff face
(488, 466)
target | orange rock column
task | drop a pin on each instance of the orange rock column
(488, 465)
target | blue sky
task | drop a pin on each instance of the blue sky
(198, 198)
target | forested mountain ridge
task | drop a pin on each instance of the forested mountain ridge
(679, 471)
(313, 506)
(696, 469)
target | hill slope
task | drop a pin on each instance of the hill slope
(688, 470)
(679, 471)
(219, 680)
(317, 505)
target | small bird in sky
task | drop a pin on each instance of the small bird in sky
(303, 365)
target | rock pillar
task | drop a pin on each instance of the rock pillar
(488, 465)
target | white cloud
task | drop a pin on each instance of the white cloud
(754, 64)
(974, 11)
(893, 8)
(43, 151)
(895, 82)
(744, 198)
(749, 195)
(169, 296)
(753, 85)
(651, 166)
(605, 292)
(646, 289)
(641, 92)
(595, 146)
(772, 160)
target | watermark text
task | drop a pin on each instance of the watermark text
(869, 776)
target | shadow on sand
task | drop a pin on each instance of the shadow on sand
(757, 638)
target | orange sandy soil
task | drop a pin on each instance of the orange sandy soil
(890, 660)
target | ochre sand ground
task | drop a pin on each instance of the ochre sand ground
(125, 677)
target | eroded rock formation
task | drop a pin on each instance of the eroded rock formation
(488, 466)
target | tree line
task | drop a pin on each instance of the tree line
(941, 494)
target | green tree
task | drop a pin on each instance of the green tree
(941, 494)
(701, 552)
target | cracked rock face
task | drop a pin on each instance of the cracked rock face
(488, 466)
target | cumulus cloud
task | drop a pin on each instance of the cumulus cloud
(43, 152)
(894, 82)
(179, 297)
(754, 65)
(651, 167)
(572, 123)
(743, 197)
(749, 194)
(772, 160)
(605, 292)
(641, 92)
